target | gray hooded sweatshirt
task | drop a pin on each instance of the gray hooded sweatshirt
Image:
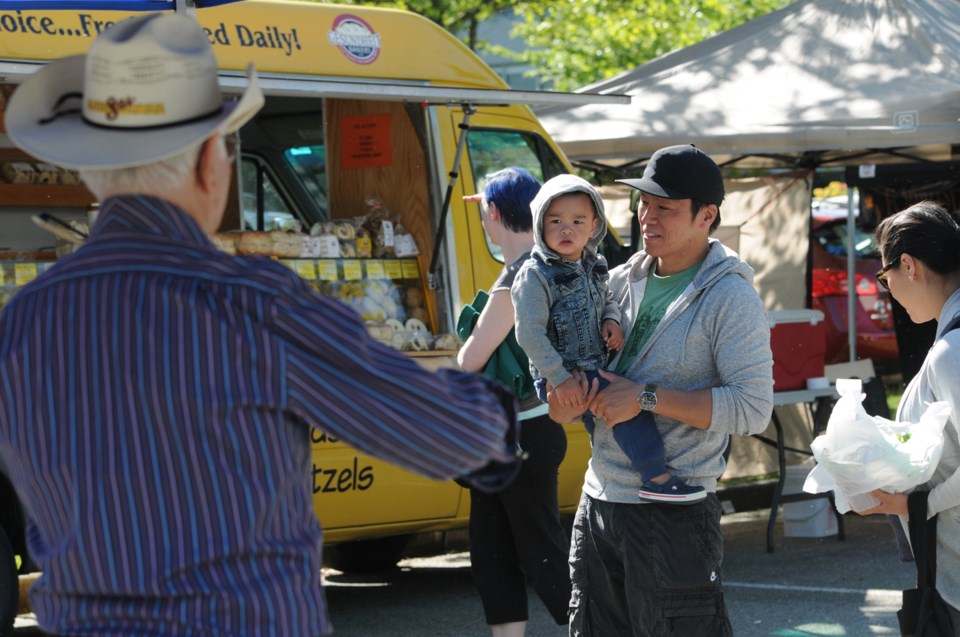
(715, 336)
(560, 305)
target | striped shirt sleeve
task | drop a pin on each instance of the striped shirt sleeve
(441, 424)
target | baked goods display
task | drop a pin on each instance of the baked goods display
(26, 171)
(377, 233)
(386, 293)
(385, 307)
(363, 261)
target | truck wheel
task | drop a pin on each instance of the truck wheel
(366, 556)
(9, 586)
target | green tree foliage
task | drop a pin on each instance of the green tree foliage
(579, 42)
(573, 43)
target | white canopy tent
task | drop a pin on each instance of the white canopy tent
(820, 81)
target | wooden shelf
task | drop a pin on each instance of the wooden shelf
(39, 195)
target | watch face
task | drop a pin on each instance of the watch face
(648, 400)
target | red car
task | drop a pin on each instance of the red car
(876, 338)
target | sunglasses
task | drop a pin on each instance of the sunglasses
(882, 273)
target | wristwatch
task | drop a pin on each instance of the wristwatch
(648, 397)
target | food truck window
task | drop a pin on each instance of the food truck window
(492, 150)
(309, 164)
(262, 204)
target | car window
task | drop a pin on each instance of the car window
(832, 237)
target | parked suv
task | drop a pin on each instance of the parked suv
(876, 338)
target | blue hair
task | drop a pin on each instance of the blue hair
(512, 189)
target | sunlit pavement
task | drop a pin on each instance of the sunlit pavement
(813, 586)
(807, 587)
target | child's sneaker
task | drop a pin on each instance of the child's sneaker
(673, 491)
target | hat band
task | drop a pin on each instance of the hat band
(56, 108)
(57, 113)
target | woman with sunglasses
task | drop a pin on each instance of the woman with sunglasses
(921, 249)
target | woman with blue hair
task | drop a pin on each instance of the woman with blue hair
(516, 534)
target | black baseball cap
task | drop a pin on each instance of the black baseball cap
(681, 172)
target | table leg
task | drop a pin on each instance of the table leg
(781, 476)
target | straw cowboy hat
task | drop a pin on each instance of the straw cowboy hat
(146, 90)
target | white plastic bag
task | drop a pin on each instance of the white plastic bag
(860, 453)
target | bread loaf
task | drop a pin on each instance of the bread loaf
(286, 244)
(227, 241)
(47, 174)
(255, 243)
(19, 172)
(69, 177)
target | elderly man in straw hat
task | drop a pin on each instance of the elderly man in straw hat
(157, 394)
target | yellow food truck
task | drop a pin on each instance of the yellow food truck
(376, 123)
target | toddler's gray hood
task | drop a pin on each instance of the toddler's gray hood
(563, 185)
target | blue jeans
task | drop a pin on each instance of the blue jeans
(638, 437)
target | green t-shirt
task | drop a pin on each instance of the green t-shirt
(659, 293)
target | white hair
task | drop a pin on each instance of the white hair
(153, 178)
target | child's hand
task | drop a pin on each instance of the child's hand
(570, 393)
(612, 335)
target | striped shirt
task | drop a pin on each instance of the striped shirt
(155, 408)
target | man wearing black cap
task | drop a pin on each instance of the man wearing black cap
(697, 356)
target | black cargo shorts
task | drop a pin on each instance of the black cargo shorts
(647, 570)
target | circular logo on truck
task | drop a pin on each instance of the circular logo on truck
(355, 39)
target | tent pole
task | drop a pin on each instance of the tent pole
(852, 299)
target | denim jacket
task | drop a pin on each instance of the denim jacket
(560, 305)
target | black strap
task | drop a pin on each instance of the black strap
(923, 539)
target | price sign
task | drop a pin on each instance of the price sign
(410, 269)
(307, 269)
(23, 273)
(375, 269)
(352, 270)
(327, 269)
(393, 270)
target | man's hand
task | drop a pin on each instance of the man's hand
(612, 335)
(893, 503)
(617, 403)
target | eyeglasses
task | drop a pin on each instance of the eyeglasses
(882, 273)
(231, 141)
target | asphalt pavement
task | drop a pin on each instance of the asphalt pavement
(806, 587)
